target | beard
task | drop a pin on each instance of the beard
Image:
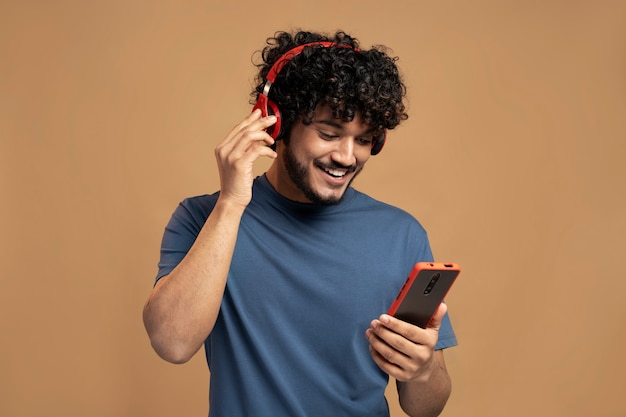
(299, 175)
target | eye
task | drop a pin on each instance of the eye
(326, 135)
(365, 141)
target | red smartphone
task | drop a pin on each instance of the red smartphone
(423, 291)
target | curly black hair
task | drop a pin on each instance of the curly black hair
(345, 77)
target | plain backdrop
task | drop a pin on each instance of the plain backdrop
(513, 158)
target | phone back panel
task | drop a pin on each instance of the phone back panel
(423, 291)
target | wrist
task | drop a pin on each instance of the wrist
(226, 206)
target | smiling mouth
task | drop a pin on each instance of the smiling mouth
(335, 173)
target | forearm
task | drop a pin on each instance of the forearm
(426, 397)
(183, 307)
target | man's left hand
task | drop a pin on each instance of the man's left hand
(403, 350)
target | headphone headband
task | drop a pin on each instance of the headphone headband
(286, 57)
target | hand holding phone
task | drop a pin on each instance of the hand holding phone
(423, 291)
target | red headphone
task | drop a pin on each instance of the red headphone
(268, 107)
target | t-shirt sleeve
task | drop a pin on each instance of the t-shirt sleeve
(181, 232)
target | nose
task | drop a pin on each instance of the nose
(344, 152)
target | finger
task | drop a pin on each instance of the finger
(257, 150)
(435, 322)
(385, 363)
(403, 336)
(262, 124)
(246, 140)
(252, 122)
(242, 155)
(253, 117)
(388, 360)
(238, 142)
(383, 351)
(398, 335)
(398, 356)
(249, 119)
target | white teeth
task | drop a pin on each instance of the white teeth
(336, 173)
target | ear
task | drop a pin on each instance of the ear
(377, 144)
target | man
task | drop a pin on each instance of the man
(284, 278)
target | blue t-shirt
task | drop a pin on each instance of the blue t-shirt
(304, 284)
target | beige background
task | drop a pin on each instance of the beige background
(513, 158)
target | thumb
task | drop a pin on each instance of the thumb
(435, 322)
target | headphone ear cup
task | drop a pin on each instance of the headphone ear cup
(274, 130)
(378, 144)
(269, 108)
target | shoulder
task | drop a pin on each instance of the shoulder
(200, 202)
(384, 212)
(195, 209)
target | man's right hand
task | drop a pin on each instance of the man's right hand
(237, 153)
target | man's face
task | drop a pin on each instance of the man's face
(323, 158)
